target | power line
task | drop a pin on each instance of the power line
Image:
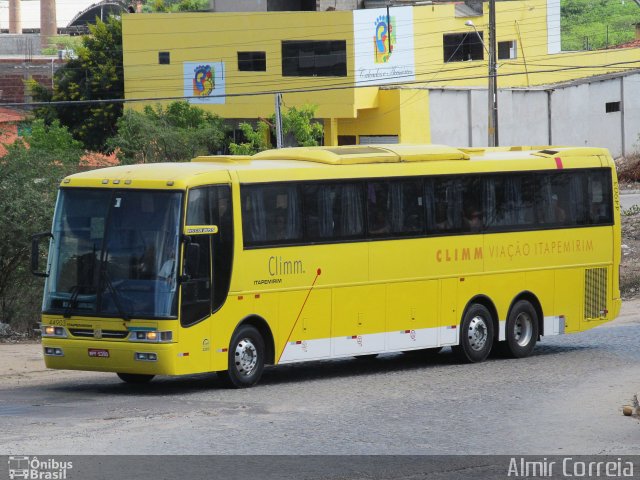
(302, 90)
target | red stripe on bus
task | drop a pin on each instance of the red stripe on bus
(559, 163)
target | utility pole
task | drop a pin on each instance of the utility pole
(492, 127)
(278, 121)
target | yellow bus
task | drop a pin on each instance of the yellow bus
(228, 264)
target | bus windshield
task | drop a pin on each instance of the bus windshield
(114, 253)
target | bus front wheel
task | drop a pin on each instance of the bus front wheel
(246, 358)
(521, 330)
(476, 334)
(135, 378)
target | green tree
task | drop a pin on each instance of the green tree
(256, 139)
(297, 124)
(95, 75)
(175, 6)
(300, 124)
(597, 24)
(177, 132)
(30, 173)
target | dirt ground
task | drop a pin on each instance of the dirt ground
(630, 264)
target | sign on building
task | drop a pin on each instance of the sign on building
(204, 82)
(383, 46)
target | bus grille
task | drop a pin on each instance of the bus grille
(595, 293)
(89, 333)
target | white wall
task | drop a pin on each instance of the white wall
(578, 116)
(523, 117)
(553, 27)
(632, 113)
(448, 117)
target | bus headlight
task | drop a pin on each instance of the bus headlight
(51, 331)
(151, 336)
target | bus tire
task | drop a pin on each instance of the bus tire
(135, 378)
(246, 358)
(521, 330)
(476, 334)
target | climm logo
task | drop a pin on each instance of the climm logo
(281, 266)
(459, 254)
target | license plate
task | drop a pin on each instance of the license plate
(98, 352)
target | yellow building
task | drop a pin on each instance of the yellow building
(345, 61)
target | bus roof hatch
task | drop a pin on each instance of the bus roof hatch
(355, 154)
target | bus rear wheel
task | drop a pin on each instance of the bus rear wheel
(476, 334)
(246, 358)
(521, 330)
(135, 378)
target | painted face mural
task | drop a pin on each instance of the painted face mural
(203, 81)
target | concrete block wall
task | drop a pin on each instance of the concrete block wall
(573, 114)
(24, 45)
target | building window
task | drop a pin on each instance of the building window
(314, 58)
(611, 107)
(460, 47)
(507, 50)
(164, 58)
(252, 61)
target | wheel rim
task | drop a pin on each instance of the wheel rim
(246, 357)
(478, 333)
(523, 329)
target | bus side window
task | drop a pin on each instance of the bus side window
(407, 201)
(599, 195)
(349, 210)
(562, 199)
(508, 201)
(430, 205)
(333, 210)
(473, 209)
(379, 208)
(271, 214)
(395, 208)
(448, 204)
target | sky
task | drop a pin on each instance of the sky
(30, 9)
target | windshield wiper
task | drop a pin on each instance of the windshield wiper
(75, 291)
(116, 295)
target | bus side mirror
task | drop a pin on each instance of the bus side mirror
(35, 253)
(191, 259)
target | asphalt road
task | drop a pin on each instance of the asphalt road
(565, 399)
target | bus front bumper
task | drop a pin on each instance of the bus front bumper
(106, 356)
